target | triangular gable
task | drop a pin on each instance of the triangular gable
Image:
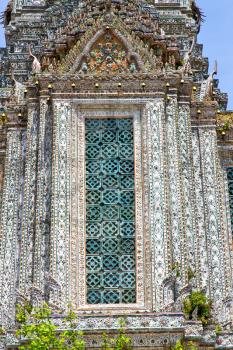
(108, 53)
(109, 49)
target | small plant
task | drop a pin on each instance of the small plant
(178, 346)
(120, 342)
(192, 346)
(182, 346)
(38, 332)
(223, 128)
(197, 300)
(107, 342)
(21, 313)
(72, 338)
(2, 331)
(218, 329)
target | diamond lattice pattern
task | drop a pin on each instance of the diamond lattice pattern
(110, 214)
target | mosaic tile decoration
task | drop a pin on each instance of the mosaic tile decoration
(110, 213)
(230, 186)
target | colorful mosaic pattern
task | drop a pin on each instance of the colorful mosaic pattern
(108, 54)
(110, 214)
(230, 186)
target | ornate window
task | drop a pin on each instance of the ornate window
(110, 211)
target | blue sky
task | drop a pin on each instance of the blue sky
(216, 35)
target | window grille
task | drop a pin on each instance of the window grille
(110, 214)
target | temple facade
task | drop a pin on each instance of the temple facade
(116, 171)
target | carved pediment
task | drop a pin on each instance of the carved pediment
(109, 50)
(107, 41)
(109, 53)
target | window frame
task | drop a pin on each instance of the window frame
(78, 180)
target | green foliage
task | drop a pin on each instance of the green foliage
(192, 346)
(182, 346)
(21, 314)
(120, 342)
(72, 339)
(107, 342)
(198, 301)
(178, 346)
(218, 329)
(223, 128)
(2, 331)
(38, 332)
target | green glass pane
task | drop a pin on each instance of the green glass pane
(110, 212)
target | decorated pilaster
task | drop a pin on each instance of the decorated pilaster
(203, 270)
(157, 202)
(10, 225)
(214, 216)
(29, 203)
(60, 220)
(43, 201)
(186, 177)
(177, 227)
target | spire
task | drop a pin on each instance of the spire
(5, 16)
